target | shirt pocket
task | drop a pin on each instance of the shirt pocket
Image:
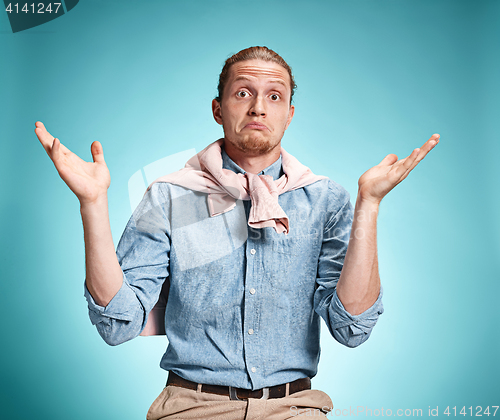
(295, 262)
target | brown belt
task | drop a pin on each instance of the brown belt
(277, 391)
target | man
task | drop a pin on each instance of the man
(252, 249)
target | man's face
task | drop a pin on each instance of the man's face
(255, 108)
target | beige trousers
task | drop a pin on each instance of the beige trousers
(181, 403)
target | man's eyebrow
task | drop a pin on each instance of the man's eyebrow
(281, 82)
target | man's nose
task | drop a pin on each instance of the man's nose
(258, 106)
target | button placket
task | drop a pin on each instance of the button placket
(251, 307)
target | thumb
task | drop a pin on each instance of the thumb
(97, 152)
(389, 160)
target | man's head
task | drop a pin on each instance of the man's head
(254, 101)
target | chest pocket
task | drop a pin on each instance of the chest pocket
(295, 261)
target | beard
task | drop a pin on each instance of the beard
(254, 145)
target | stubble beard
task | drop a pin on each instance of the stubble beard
(254, 146)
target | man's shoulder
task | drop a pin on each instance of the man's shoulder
(169, 190)
(167, 197)
(329, 188)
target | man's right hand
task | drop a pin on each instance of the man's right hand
(88, 180)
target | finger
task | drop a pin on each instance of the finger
(56, 153)
(435, 137)
(39, 124)
(430, 144)
(405, 165)
(44, 136)
(426, 148)
(97, 152)
(389, 160)
(47, 140)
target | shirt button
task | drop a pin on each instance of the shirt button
(250, 331)
(252, 291)
(253, 370)
(253, 251)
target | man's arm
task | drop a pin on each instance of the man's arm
(104, 276)
(89, 181)
(348, 329)
(359, 283)
(122, 286)
(143, 257)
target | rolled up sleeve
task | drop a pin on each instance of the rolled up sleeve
(121, 320)
(349, 330)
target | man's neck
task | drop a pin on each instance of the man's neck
(249, 163)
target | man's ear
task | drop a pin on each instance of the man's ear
(290, 116)
(216, 111)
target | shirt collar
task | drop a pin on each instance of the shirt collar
(273, 170)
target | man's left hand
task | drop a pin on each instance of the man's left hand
(376, 182)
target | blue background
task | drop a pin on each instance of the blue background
(374, 77)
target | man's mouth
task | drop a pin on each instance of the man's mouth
(254, 125)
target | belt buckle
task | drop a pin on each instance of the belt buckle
(233, 396)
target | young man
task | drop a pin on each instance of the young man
(252, 248)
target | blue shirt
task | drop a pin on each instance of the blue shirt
(244, 304)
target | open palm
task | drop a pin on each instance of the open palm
(88, 180)
(376, 182)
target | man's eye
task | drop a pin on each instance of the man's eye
(275, 97)
(242, 94)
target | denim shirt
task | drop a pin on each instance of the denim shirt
(244, 304)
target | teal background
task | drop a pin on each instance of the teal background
(374, 77)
